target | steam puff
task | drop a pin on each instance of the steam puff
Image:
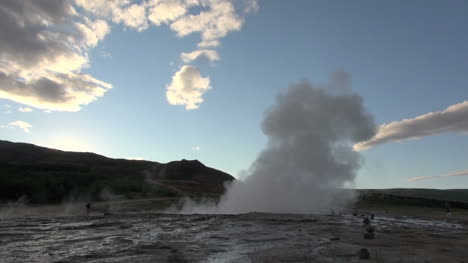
(309, 155)
(456, 173)
(452, 119)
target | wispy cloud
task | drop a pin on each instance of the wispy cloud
(455, 173)
(211, 55)
(25, 109)
(18, 124)
(196, 148)
(6, 109)
(452, 119)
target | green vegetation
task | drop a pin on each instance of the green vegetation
(52, 183)
(44, 175)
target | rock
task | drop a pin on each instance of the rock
(334, 238)
(372, 216)
(369, 235)
(366, 221)
(364, 253)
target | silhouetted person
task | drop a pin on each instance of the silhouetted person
(355, 213)
(88, 209)
(366, 221)
(447, 208)
(372, 216)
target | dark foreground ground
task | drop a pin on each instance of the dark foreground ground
(253, 237)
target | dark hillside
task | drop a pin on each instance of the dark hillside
(47, 175)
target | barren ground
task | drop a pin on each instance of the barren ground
(255, 237)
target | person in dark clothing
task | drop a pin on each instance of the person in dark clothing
(88, 209)
(447, 208)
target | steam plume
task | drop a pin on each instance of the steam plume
(309, 157)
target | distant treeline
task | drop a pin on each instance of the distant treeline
(374, 198)
(52, 183)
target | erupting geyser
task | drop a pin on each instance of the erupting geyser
(311, 130)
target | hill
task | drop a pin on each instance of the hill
(437, 194)
(45, 175)
(456, 198)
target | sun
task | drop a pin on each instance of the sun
(69, 143)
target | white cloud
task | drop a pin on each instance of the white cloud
(18, 124)
(42, 51)
(214, 23)
(45, 44)
(209, 54)
(187, 88)
(25, 109)
(93, 32)
(133, 16)
(452, 119)
(196, 148)
(55, 92)
(208, 43)
(164, 12)
(455, 173)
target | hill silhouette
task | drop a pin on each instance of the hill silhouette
(45, 175)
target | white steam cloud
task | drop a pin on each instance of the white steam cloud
(456, 173)
(308, 158)
(452, 119)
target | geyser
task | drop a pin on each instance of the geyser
(308, 159)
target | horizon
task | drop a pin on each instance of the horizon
(130, 159)
(127, 81)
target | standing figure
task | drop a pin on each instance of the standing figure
(88, 209)
(447, 208)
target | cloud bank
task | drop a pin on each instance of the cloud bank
(43, 47)
(452, 119)
(456, 173)
(308, 158)
(45, 43)
(212, 19)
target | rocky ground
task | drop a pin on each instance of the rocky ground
(253, 237)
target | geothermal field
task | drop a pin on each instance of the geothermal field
(145, 236)
(297, 180)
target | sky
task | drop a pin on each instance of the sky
(164, 80)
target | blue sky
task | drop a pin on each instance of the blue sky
(405, 59)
